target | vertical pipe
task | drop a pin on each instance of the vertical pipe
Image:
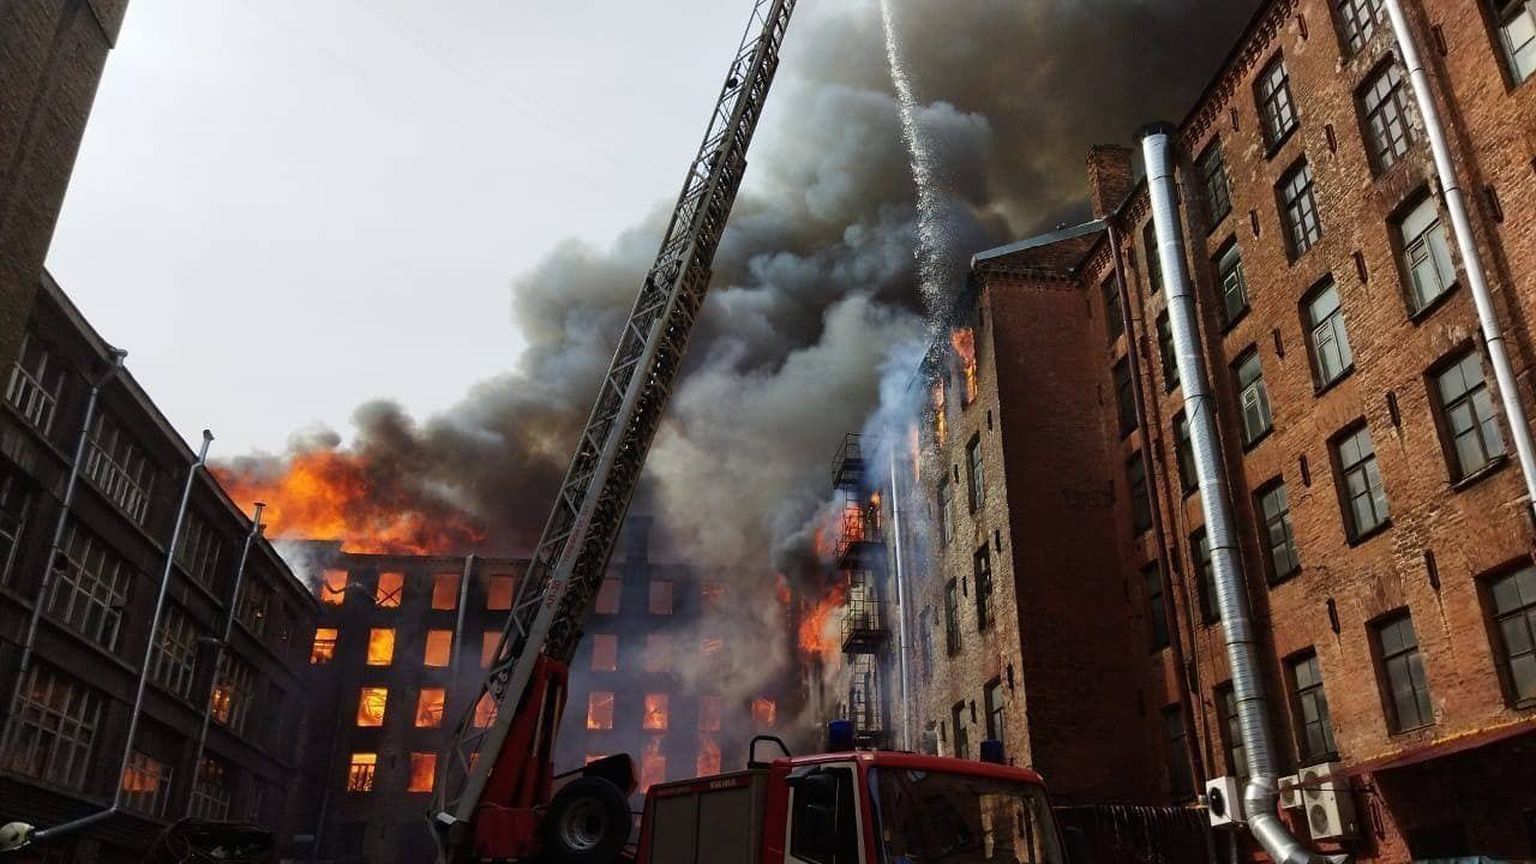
(218, 651)
(458, 621)
(1244, 651)
(29, 644)
(901, 612)
(1466, 243)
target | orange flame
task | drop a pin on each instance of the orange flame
(653, 764)
(915, 452)
(709, 757)
(764, 713)
(782, 590)
(327, 495)
(940, 418)
(423, 772)
(964, 342)
(816, 620)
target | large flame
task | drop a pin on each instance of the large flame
(817, 623)
(964, 342)
(328, 495)
(940, 417)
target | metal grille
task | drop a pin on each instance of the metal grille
(210, 794)
(36, 380)
(119, 468)
(90, 587)
(175, 653)
(197, 552)
(864, 703)
(147, 785)
(53, 731)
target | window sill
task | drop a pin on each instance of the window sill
(1278, 144)
(1322, 759)
(1409, 730)
(1283, 578)
(1380, 528)
(1228, 324)
(1319, 389)
(1218, 220)
(1293, 257)
(1481, 474)
(1250, 446)
(1429, 308)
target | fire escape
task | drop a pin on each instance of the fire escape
(861, 557)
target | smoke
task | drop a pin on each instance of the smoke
(816, 304)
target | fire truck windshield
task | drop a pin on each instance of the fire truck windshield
(927, 816)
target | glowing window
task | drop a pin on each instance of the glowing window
(600, 710)
(423, 772)
(655, 711)
(381, 646)
(360, 772)
(710, 708)
(333, 587)
(445, 591)
(489, 641)
(485, 711)
(498, 593)
(324, 649)
(605, 653)
(653, 765)
(658, 652)
(608, 597)
(391, 587)
(439, 648)
(429, 707)
(660, 599)
(709, 757)
(371, 702)
(764, 712)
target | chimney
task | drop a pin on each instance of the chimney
(1109, 177)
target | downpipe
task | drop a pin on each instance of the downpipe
(1262, 795)
(1466, 244)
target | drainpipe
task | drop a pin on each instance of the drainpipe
(1261, 797)
(218, 653)
(149, 648)
(457, 649)
(117, 355)
(901, 607)
(1466, 243)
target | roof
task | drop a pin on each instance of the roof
(1037, 242)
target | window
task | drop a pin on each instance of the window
(210, 792)
(1125, 396)
(53, 731)
(659, 601)
(1141, 502)
(1114, 319)
(1181, 781)
(171, 665)
(658, 652)
(333, 587)
(1165, 351)
(381, 646)
(360, 772)
(490, 640)
(197, 550)
(1426, 256)
(147, 785)
(653, 767)
(952, 617)
(1213, 182)
(1253, 396)
(1358, 19)
(1234, 283)
(36, 381)
(371, 705)
(429, 707)
(975, 473)
(14, 504)
(1299, 210)
(946, 511)
(90, 587)
(423, 772)
(1157, 607)
(962, 735)
(1328, 341)
(1184, 450)
(824, 826)
(983, 573)
(1314, 728)
(498, 592)
(711, 706)
(992, 697)
(655, 716)
(1279, 537)
(324, 648)
(439, 651)
(1516, 20)
(234, 689)
(600, 710)
(605, 652)
(712, 596)
(1276, 109)
(251, 610)
(486, 709)
(1231, 731)
(1514, 614)
(1466, 411)
(707, 762)
(119, 468)
(445, 591)
(388, 592)
(1402, 674)
(1154, 260)
(765, 712)
(1200, 549)
(1384, 105)
(1363, 497)
(608, 596)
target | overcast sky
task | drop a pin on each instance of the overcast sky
(283, 208)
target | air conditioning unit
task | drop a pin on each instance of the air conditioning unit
(1224, 801)
(1327, 801)
(1290, 792)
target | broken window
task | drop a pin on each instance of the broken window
(445, 591)
(608, 596)
(709, 757)
(423, 772)
(498, 593)
(710, 708)
(333, 587)
(660, 600)
(658, 652)
(324, 649)
(439, 651)
(764, 712)
(391, 587)
(605, 652)
(381, 646)
(360, 772)
(655, 712)
(371, 702)
(653, 765)
(429, 707)
(600, 710)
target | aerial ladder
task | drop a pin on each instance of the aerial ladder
(495, 784)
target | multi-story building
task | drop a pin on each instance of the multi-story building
(78, 594)
(1386, 535)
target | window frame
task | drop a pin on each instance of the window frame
(1125, 396)
(1230, 274)
(1299, 212)
(1229, 725)
(1152, 258)
(1422, 250)
(1386, 110)
(975, 473)
(1422, 693)
(1181, 777)
(1211, 165)
(1141, 504)
(1357, 26)
(1160, 636)
(1297, 698)
(1342, 473)
(1503, 655)
(1114, 316)
(1205, 567)
(1167, 353)
(952, 638)
(1338, 328)
(1252, 437)
(1449, 439)
(981, 564)
(1262, 498)
(1278, 117)
(1499, 21)
(1184, 454)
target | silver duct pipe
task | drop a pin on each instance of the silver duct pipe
(1244, 651)
(901, 612)
(1466, 244)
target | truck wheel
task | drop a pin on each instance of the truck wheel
(587, 822)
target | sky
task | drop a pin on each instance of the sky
(285, 208)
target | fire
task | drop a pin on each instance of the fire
(371, 703)
(429, 707)
(381, 646)
(653, 765)
(423, 772)
(600, 710)
(655, 712)
(764, 712)
(329, 495)
(915, 453)
(817, 622)
(782, 589)
(709, 757)
(964, 342)
(940, 417)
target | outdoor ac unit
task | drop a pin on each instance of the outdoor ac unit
(1326, 799)
(1224, 801)
(1290, 792)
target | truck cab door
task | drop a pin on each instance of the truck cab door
(826, 825)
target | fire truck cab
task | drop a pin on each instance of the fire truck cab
(856, 807)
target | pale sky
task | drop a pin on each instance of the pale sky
(283, 208)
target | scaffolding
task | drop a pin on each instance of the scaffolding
(864, 627)
(864, 702)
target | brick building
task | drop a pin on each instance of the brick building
(1386, 535)
(66, 730)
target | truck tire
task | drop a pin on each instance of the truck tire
(588, 822)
